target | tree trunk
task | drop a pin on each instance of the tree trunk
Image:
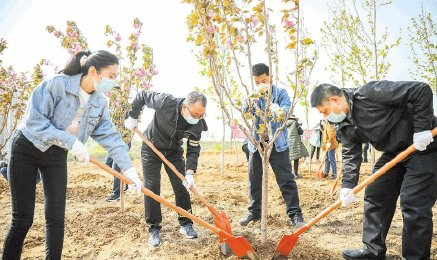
(264, 203)
(222, 165)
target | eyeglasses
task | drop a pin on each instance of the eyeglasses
(196, 117)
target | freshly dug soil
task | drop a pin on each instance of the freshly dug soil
(96, 229)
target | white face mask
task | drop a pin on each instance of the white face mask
(336, 118)
(105, 85)
(191, 120)
(263, 87)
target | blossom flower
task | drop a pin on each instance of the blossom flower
(117, 37)
(211, 29)
(153, 70)
(211, 14)
(289, 23)
(254, 21)
(303, 81)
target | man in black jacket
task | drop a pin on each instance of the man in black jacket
(391, 116)
(174, 119)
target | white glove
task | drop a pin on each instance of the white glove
(274, 108)
(132, 174)
(347, 197)
(131, 123)
(189, 180)
(422, 139)
(328, 145)
(79, 152)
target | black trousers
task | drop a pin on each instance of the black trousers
(281, 166)
(296, 167)
(414, 181)
(315, 149)
(25, 161)
(152, 181)
(365, 149)
(246, 151)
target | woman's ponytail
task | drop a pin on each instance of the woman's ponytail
(83, 60)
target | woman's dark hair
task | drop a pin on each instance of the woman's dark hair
(99, 59)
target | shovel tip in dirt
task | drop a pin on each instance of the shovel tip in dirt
(287, 243)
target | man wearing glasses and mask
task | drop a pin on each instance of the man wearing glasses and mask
(174, 119)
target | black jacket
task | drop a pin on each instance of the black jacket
(164, 131)
(386, 114)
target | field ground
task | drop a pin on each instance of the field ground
(96, 229)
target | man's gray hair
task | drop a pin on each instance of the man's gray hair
(194, 97)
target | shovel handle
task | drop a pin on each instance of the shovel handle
(173, 168)
(162, 200)
(322, 161)
(401, 156)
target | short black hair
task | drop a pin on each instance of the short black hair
(259, 69)
(322, 92)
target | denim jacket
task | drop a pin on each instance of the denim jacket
(54, 104)
(280, 97)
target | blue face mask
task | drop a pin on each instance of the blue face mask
(190, 120)
(105, 85)
(336, 118)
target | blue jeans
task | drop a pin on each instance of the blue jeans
(116, 184)
(330, 161)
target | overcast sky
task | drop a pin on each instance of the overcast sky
(23, 24)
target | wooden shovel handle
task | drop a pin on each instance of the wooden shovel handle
(173, 168)
(161, 200)
(401, 156)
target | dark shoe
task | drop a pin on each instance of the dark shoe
(360, 254)
(247, 219)
(297, 176)
(333, 177)
(4, 172)
(297, 220)
(325, 175)
(113, 197)
(154, 238)
(188, 231)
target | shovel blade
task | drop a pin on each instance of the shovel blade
(320, 173)
(284, 247)
(333, 191)
(241, 248)
(221, 221)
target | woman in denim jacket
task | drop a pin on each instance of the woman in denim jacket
(62, 113)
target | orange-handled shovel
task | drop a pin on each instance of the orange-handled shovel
(220, 219)
(288, 242)
(320, 172)
(334, 188)
(239, 245)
